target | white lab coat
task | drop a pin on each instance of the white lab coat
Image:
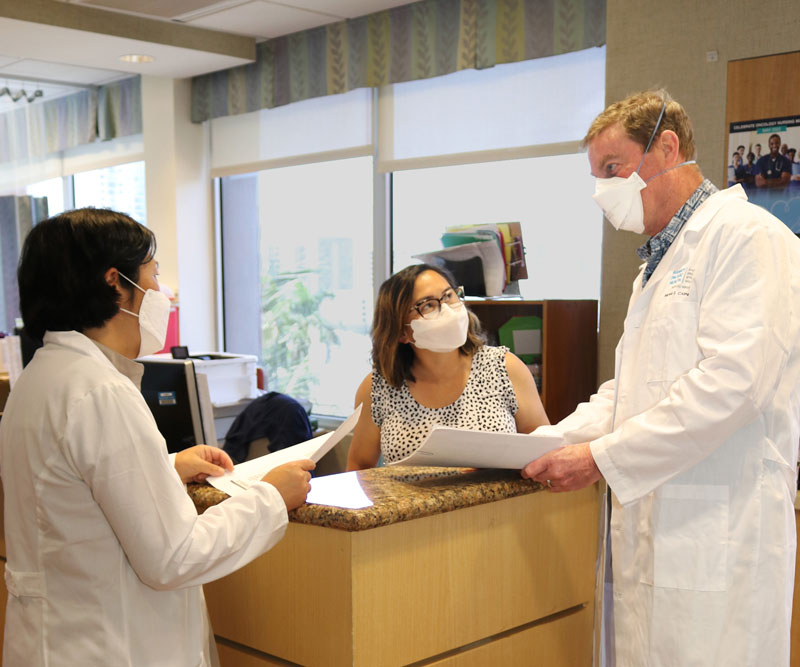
(106, 553)
(698, 440)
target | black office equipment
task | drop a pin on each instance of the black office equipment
(170, 389)
(179, 352)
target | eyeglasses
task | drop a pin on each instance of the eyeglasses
(431, 307)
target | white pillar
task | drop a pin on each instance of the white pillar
(179, 205)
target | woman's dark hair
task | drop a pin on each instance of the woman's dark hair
(62, 268)
(391, 358)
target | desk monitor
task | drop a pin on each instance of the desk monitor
(174, 395)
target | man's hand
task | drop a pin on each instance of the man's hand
(566, 469)
(197, 463)
(291, 479)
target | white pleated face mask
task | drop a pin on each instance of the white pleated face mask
(446, 333)
(153, 319)
(621, 201)
(621, 198)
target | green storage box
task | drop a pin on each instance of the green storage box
(523, 336)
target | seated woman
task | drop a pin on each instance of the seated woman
(430, 366)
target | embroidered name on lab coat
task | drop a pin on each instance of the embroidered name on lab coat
(679, 283)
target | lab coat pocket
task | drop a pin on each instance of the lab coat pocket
(24, 631)
(690, 537)
(24, 584)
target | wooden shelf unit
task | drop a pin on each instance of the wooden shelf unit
(569, 346)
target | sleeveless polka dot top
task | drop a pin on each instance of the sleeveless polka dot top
(487, 403)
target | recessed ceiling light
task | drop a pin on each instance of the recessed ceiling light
(136, 58)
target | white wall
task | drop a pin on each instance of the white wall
(665, 44)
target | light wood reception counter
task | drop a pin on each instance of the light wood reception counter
(447, 567)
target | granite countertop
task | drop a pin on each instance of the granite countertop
(398, 493)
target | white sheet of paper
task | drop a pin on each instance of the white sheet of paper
(453, 447)
(342, 490)
(246, 473)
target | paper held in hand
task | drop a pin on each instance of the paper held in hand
(453, 447)
(246, 473)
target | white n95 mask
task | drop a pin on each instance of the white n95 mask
(621, 198)
(153, 319)
(446, 333)
(621, 201)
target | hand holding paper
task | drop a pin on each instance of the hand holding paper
(292, 481)
(447, 446)
(565, 469)
(197, 463)
(245, 474)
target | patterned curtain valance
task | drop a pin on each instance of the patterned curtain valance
(35, 130)
(119, 109)
(417, 41)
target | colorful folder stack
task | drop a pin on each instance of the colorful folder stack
(507, 235)
(483, 258)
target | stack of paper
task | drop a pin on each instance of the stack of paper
(461, 448)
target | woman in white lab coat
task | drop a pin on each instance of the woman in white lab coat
(431, 367)
(106, 553)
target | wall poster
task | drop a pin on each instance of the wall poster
(763, 157)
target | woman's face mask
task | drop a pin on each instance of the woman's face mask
(446, 333)
(153, 319)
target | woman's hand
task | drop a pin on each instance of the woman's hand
(197, 463)
(292, 481)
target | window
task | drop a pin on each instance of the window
(550, 196)
(304, 245)
(546, 103)
(55, 190)
(121, 188)
(297, 245)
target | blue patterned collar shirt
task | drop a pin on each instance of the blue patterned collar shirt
(656, 246)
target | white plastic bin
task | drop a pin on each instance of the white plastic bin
(231, 377)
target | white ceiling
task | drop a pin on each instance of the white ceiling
(49, 44)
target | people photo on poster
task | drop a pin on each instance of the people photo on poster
(762, 156)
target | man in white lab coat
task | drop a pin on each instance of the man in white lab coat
(697, 434)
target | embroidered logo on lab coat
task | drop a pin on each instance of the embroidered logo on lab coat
(679, 283)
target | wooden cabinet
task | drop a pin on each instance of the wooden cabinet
(569, 346)
(509, 582)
